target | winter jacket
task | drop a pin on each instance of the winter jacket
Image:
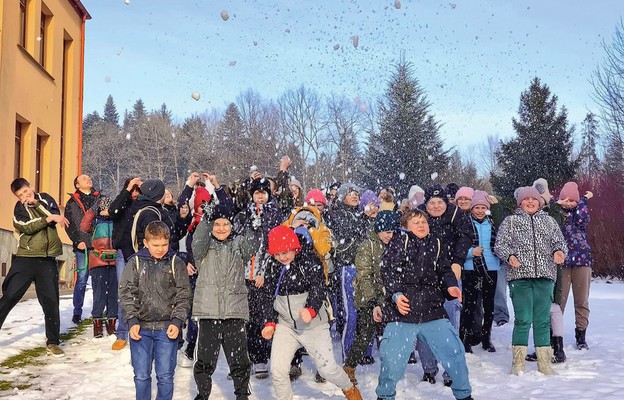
(37, 237)
(349, 228)
(118, 212)
(420, 270)
(321, 235)
(575, 233)
(75, 209)
(261, 218)
(368, 285)
(283, 196)
(533, 239)
(155, 293)
(220, 292)
(293, 287)
(454, 230)
(484, 235)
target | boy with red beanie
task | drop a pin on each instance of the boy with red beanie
(294, 279)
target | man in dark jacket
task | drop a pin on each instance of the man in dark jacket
(35, 218)
(79, 202)
(417, 278)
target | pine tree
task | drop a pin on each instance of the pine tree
(590, 164)
(543, 146)
(232, 148)
(138, 110)
(407, 150)
(110, 112)
(89, 121)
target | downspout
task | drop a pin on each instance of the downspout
(81, 93)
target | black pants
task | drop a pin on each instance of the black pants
(363, 334)
(104, 282)
(44, 272)
(212, 334)
(473, 283)
(259, 348)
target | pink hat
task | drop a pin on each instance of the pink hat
(464, 191)
(315, 196)
(480, 198)
(526, 192)
(570, 191)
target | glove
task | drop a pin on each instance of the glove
(303, 231)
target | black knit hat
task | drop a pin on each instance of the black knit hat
(153, 189)
(386, 221)
(435, 191)
(260, 184)
(221, 211)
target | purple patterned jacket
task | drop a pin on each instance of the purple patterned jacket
(575, 233)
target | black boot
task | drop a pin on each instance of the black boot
(412, 358)
(559, 355)
(532, 357)
(98, 328)
(429, 377)
(580, 339)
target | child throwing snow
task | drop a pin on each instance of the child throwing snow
(294, 278)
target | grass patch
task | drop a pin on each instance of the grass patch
(76, 330)
(6, 385)
(25, 357)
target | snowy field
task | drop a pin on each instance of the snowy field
(91, 370)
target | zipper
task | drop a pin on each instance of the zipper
(534, 246)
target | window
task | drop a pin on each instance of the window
(18, 150)
(42, 39)
(22, 23)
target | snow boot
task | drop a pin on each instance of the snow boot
(295, 372)
(581, 344)
(98, 328)
(429, 377)
(110, 326)
(544, 358)
(517, 364)
(351, 374)
(353, 393)
(319, 379)
(412, 358)
(559, 355)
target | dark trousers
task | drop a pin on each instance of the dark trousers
(259, 348)
(104, 282)
(473, 284)
(363, 334)
(212, 334)
(43, 271)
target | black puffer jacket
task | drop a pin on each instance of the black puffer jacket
(118, 212)
(454, 229)
(420, 269)
(349, 228)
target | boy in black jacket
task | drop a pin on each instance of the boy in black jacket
(155, 296)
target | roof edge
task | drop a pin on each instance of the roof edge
(80, 8)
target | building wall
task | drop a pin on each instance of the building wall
(44, 95)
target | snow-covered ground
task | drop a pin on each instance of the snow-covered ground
(91, 370)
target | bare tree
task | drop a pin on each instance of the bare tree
(486, 155)
(344, 123)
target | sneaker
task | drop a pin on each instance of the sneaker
(446, 379)
(489, 347)
(319, 379)
(501, 323)
(261, 371)
(467, 348)
(412, 359)
(367, 360)
(532, 357)
(76, 319)
(184, 360)
(54, 350)
(429, 377)
(119, 344)
(295, 372)
(229, 376)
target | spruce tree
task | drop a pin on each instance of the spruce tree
(589, 163)
(110, 112)
(543, 146)
(407, 149)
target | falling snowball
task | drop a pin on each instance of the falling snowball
(255, 43)
(363, 107)
(401, 176)
(195, 96)
(127, 2)
(430, 157)
(107, 79)
(397, 4)
(336, 46)
(118, 52)
(232, 63)
(128, 136)
(287, 30)
(224, 15)
(434, 176)
(453, 5)
(355, 39)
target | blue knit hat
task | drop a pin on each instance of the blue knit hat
(386, 221)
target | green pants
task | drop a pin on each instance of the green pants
(531, 300)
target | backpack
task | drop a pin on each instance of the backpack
(103, 253)
(135, 244)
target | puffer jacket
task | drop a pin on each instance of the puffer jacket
(368, 285)
(37, 237)
(421, 271)
(221, 292)
(483, 232)
(575, 224)
(533, 239)
(349, 228)
(454, 229)
(155, 293)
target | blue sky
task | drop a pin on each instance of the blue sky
(473, 58)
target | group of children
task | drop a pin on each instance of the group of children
(409, 273)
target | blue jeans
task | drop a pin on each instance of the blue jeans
(104, 282)
(153, 347)
(501, 311)
(429, 363)
(82, 276)
(122, 325)
(440, 336)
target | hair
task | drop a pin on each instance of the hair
(409, 214)
(126, 183)
(388, 197)
(157, 230)
(76, 181)
(18, 183)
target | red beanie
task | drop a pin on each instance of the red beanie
(570, 191)
(315, 196)
(282, 239)
(201, 195)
